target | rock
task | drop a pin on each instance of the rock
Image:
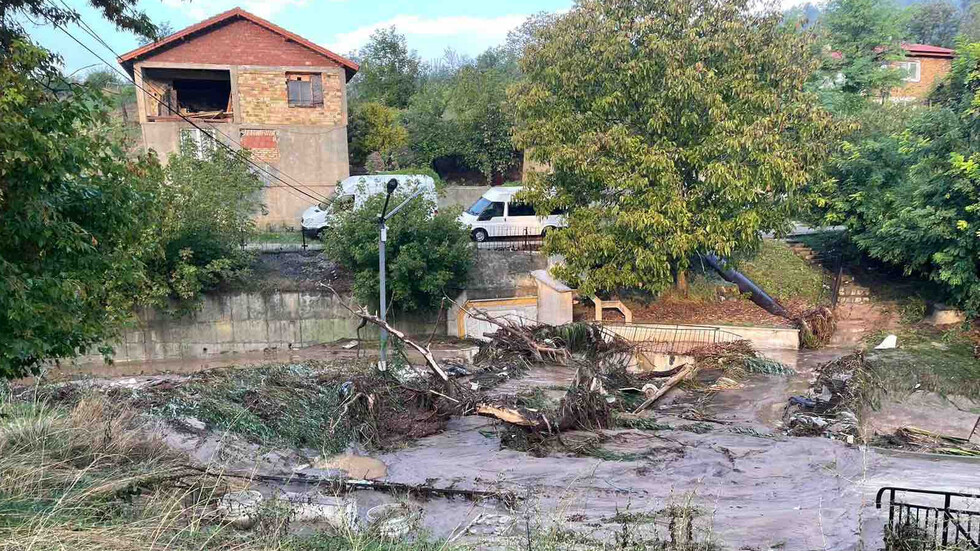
(193, 423)
(942, 314)
(891, 341)
(240, 509)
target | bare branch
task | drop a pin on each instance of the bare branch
(370, 318)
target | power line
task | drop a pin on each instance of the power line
(189, 121)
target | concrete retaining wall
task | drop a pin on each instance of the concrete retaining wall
(246, 322)
(463, 196)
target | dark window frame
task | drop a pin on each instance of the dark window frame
(311, 83)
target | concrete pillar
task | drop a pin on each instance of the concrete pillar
(554, 299)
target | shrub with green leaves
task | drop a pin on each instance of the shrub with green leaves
(427, 256)
(208, 206)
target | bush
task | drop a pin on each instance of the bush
(208, 206)
(426, 255)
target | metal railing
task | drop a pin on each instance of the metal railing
(950, 520)
(300, 242)
(670, 339)
(511, 239)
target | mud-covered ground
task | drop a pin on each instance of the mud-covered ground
(752, 486)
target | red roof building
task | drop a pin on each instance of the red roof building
(251, 84)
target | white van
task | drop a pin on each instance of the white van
(354, 191)
(498, 214)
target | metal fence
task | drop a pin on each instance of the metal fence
(298, 241)
(511, 239)
(670, 339)
(930, 519)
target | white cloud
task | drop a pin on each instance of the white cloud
(197, 10)
(489, 29)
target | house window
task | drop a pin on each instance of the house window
(911, 69)
(304, 89)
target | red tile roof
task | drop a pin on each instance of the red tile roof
(127, 59)
(926, 50)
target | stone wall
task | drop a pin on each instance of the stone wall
(246, 322)
(263, 99)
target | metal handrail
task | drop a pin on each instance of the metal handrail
(882, 491)
(671, 339)
(946, 510)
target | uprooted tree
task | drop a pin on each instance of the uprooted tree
(670, 128)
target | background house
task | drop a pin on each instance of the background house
(252, 83)
(926, 66)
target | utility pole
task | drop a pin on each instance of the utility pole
(382, 241)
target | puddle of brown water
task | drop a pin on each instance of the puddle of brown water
(356, 466)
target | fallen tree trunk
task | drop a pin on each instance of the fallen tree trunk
(507, 415)
(342, 484)
(671, 383)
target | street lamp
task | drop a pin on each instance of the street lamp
(382, 239)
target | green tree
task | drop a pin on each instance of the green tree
(389, 71)
(478, 105)
(73, 217)
(935, 22)
(376, 127)
(672, 127)
(862, 36)
(427, 256)
(432, 134)
(207, 210)
(908, 185)
(72, 247)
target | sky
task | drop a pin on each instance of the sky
(430, 26)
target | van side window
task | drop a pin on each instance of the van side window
(559, 211)
(495, 210)
(520, 209)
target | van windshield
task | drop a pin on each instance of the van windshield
(479, 206)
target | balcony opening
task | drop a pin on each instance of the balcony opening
(203, 94)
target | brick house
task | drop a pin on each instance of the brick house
(925, 66)
(249, 81)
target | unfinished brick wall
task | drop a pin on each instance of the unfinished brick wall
(262, 144)
(263, 99)
(932, 70)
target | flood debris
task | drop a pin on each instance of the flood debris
(817, 327)
(889, 342)
(685, 371)
(921, 440)
(336, 485)
(843, 390)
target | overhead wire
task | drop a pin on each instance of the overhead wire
(85, 28)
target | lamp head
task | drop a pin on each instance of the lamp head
(392, 186)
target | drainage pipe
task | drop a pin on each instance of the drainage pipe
(746, 285)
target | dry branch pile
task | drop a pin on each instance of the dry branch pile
(816, 326)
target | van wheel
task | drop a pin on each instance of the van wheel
(546, 229)
(479, 235)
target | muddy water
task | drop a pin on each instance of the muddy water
(759, 489)
(758, 492)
